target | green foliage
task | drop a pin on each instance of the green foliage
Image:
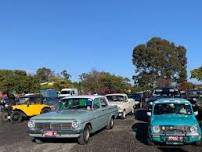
(65, 75)
(17, 81)
(197, 73)
(56, 81)
(103, 82)
(159, 59)
(44, 74)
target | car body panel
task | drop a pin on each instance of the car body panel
(30, 110)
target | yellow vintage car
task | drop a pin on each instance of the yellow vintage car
(28, 106)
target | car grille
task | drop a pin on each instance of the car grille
(53, 126)
(175, 128)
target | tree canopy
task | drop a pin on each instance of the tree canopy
(103, 82)
(197, 73)
(18, 81)
(159, 59)
(44, 74)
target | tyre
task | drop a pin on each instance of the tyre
(45, 110)
(38, 140)
(111, 123)
(199, 143)
(4, 117)
(133, 111)
(85, 136)
(123, 115)
(16, 116)
(149, 142)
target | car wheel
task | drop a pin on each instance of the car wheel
(110, 124)
(45, 110)
(123, 115)
(199, 143)
(38, 140)
(150, 142)
(85, 135)
(16, 116)
(4, 117)
(133, 111)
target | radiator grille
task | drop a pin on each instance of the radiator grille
(53, 126)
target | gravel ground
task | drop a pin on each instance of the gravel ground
(127, 136)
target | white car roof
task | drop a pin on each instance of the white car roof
(116, 94)
(84, 96)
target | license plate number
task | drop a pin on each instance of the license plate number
(175, 138)
(50, 133)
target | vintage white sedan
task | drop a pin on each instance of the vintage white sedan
(125, 105)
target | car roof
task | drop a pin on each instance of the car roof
(116, 94)
(84, 96)
(172, 100)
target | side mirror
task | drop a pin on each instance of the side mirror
(196, 113)
(149, 114)
(28, 105)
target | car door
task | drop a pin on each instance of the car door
(105, 110)
(127, 105)
(97, 120)
(35, 106)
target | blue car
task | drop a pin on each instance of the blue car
(173, 122)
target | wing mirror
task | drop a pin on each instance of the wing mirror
(149, 114)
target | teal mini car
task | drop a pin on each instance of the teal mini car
(173, 122)
(76, 117)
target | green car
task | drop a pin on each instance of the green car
(75, 117)
(173, 122)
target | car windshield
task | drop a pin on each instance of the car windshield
(166, 92)
(115, 98)
(65, 92)
(172, 108)
(137, 97)
(75, 103)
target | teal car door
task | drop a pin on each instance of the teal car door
(106, 112)
(97, 121)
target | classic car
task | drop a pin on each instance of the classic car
(173, 122)
(125, 105)
(138, 98)
(30, 105)
(76, 117)
(159, 93)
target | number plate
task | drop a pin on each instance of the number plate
(175, 138)
(50, 134)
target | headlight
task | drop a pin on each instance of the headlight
(193, 129)
(156, 129)
(75, 124)
(31, 124)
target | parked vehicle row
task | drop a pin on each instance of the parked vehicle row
(172, 120)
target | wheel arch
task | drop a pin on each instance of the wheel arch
(19, 110)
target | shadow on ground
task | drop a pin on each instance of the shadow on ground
(141, 131)
(59, 140)
(172, 149)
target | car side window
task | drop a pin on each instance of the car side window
(96, 104)
(103, 102)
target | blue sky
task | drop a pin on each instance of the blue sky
(81, 35)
